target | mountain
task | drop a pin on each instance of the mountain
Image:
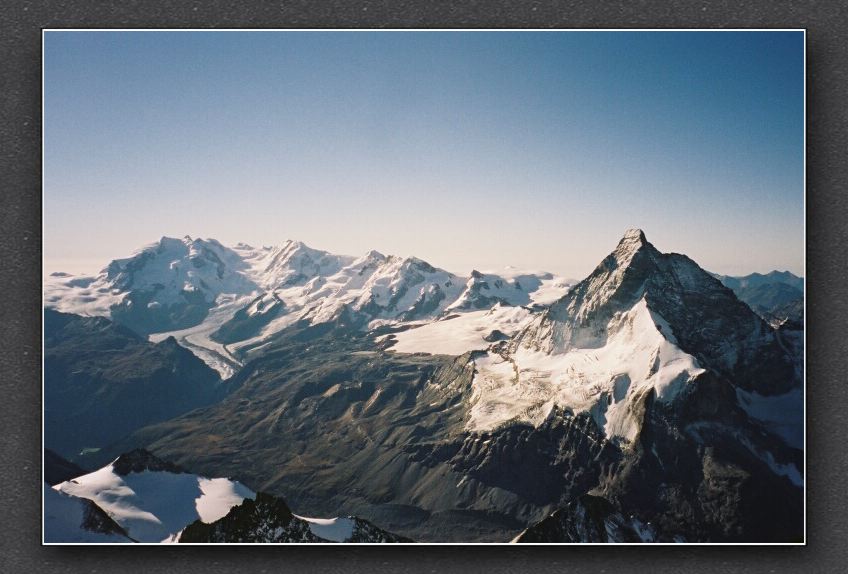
(139, 497)
(587, 519)
(267, 519)
(647, 399)
(668, 362)
(224, 303)
(369, 291)
(649, 386)
(151, 499)
(102, 381)
(754, 280)
(778, 297)
(689, 307)
(168, 285)
(642, 323)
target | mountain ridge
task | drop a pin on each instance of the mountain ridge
(140, 497)
(642, 386)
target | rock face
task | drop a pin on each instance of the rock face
(78, 520)
(267, 519)
(140, 497)
(140, 460)
(587, 519)
(152, 499)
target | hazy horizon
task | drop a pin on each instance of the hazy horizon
(466, 149)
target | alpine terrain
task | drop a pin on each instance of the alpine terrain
(141, 498)
(652, 401)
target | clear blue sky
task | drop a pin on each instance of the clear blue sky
(468, 149)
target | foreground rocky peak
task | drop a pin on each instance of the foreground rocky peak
(264, 519)
(588, 518)
(141, 497)
(268, 519)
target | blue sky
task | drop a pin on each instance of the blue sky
(468, 149)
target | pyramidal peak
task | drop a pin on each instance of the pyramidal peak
(632, 241)
(634, 234)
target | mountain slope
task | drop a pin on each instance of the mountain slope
(102, 381)
(139, 497)
(78, 520)
(701, 316)
(58, 469)
(587, 519)
(165, 286)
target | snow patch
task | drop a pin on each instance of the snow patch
(462, 333)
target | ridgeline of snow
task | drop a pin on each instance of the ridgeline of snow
(155, 505)
(152, 501)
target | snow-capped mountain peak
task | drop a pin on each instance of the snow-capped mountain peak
(295, 263)
(633, 236)
(208, 295)
(642, 320)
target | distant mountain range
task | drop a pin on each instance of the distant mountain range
(652, 401)
(778, 297)
(243, 295)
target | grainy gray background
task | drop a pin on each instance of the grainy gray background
(20, 280)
